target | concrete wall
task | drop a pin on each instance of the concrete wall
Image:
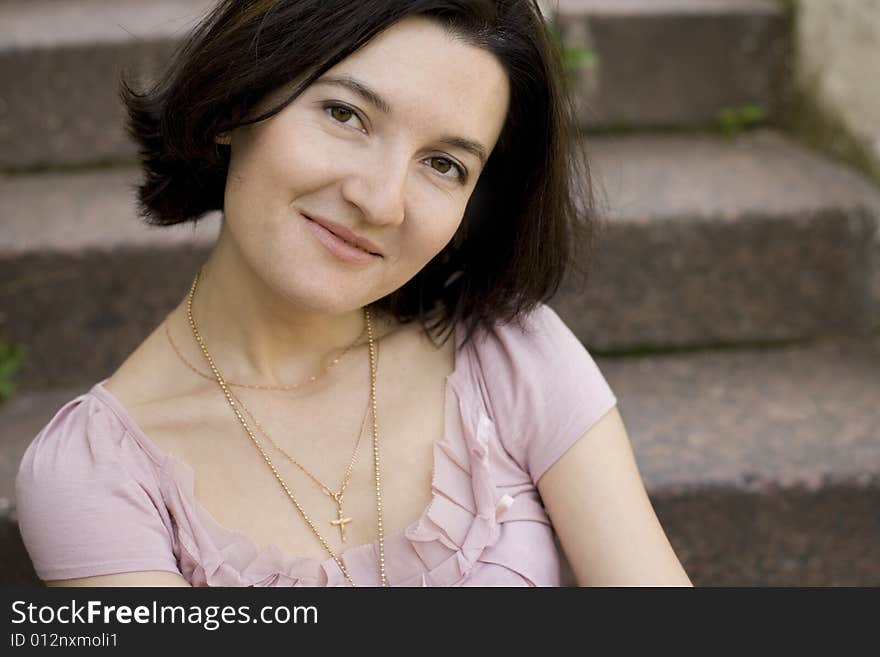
(838, 65)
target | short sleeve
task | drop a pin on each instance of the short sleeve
(87, 499)
(543, 387)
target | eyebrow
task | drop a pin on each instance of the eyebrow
(472, 146)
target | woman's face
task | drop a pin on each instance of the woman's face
(398, 174)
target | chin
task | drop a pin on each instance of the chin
(318, 301)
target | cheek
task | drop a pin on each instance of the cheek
(271, 152)
(433, 237)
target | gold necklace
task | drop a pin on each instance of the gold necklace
(223, 385)
(341, 520)
(293, 386)
(337, 497)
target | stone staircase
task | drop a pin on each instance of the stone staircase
(734, 301)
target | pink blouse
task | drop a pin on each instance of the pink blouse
(96, 496)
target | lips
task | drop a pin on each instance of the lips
(340, 248)
(353, 244)
(346, 235)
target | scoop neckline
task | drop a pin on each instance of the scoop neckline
(162, 458)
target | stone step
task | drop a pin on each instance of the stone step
(674, 63)
(711, 240)
(704, 241)
(763, 465)
(658, 63)
(60, 62)
(82, 280)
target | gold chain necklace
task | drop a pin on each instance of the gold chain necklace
(341, 520)
(223, 385)
(292, 386)
(337, 497)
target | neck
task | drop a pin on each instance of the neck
(257, 336)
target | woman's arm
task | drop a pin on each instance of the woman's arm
(145, 578)
(600, 510)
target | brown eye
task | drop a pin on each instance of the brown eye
(341, 114)
(448, 165)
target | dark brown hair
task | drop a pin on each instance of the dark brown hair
(530, 218)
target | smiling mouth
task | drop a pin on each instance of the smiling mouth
(340, 237)
(339, 247)
(354, 245)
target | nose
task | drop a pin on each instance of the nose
(377, 186)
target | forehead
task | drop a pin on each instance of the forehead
(428, 75)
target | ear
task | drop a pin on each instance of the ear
(223, 138)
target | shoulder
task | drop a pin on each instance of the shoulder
(84, 432)
(87, 497)
(542, 385)
(538, 352)
(84, 446)
(533, 335)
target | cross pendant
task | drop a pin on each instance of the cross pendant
(340, 522)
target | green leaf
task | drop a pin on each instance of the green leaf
(579, 57)
(732, 120)
(573, 57)
(12, 357)
(7, 388)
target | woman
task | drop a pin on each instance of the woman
(390, 174)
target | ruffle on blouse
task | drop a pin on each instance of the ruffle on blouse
(449, 543)
(465, 514)
(213, 555)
